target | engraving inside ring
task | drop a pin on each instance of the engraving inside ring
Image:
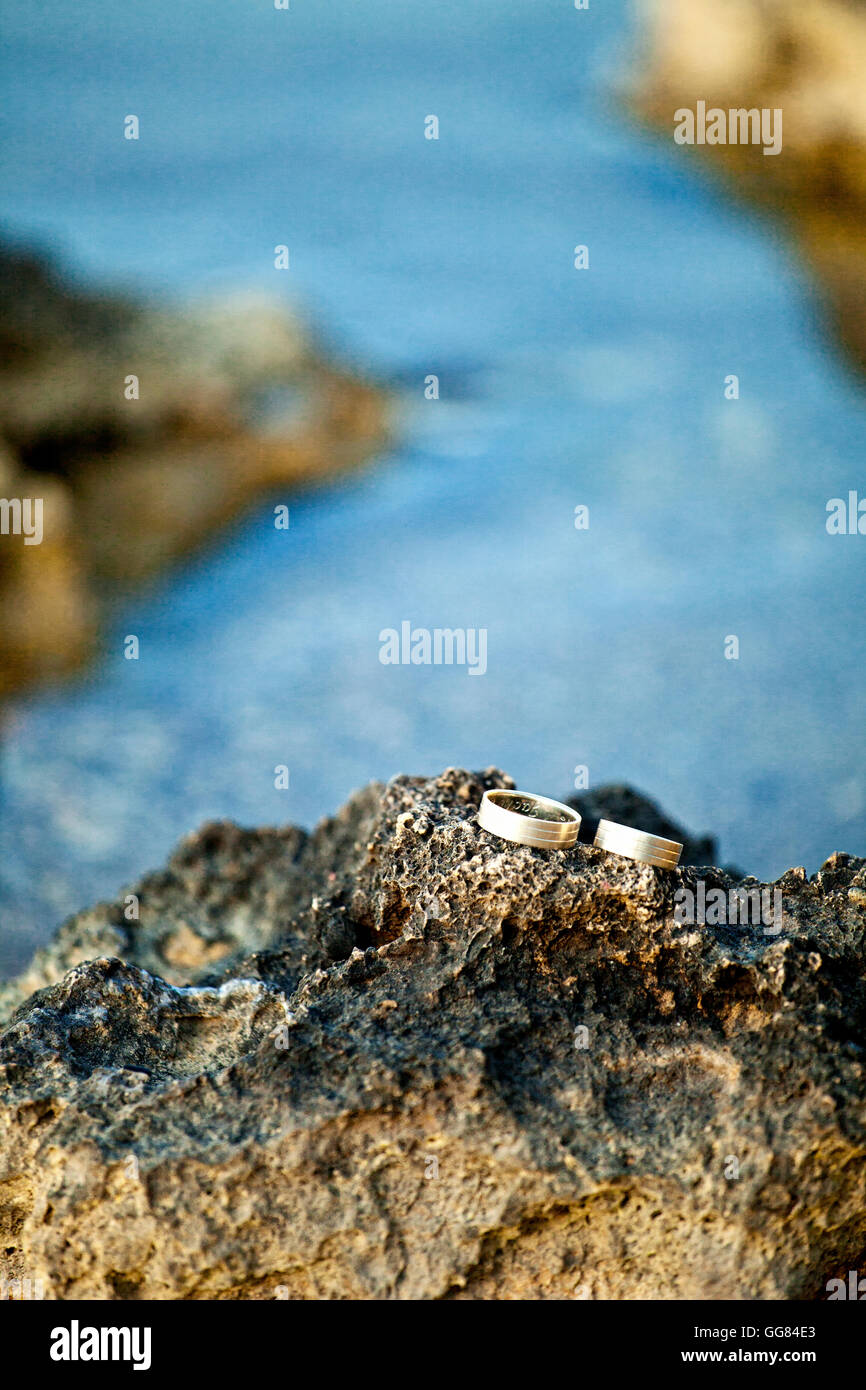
(525, 806)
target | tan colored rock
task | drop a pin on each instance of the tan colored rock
(48, 617)
(231, 403)
(433, 1065)
(808, 60)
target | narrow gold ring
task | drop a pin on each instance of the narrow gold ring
(637, 845)
(526, 819)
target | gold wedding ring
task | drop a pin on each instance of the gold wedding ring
(529, 820)
(637, 845)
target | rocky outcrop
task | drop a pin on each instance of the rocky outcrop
(398, 1058)
(808, 61)
(143, 430)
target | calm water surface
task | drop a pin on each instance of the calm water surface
(602, 387)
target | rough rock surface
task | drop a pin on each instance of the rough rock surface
(808, 61)
(233, 403)
(450, 1068)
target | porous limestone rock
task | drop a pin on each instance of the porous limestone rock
(398, 1058)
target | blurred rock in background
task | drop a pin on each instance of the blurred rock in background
(809, 60)
(229, 401)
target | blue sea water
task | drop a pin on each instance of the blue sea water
(558, 387)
